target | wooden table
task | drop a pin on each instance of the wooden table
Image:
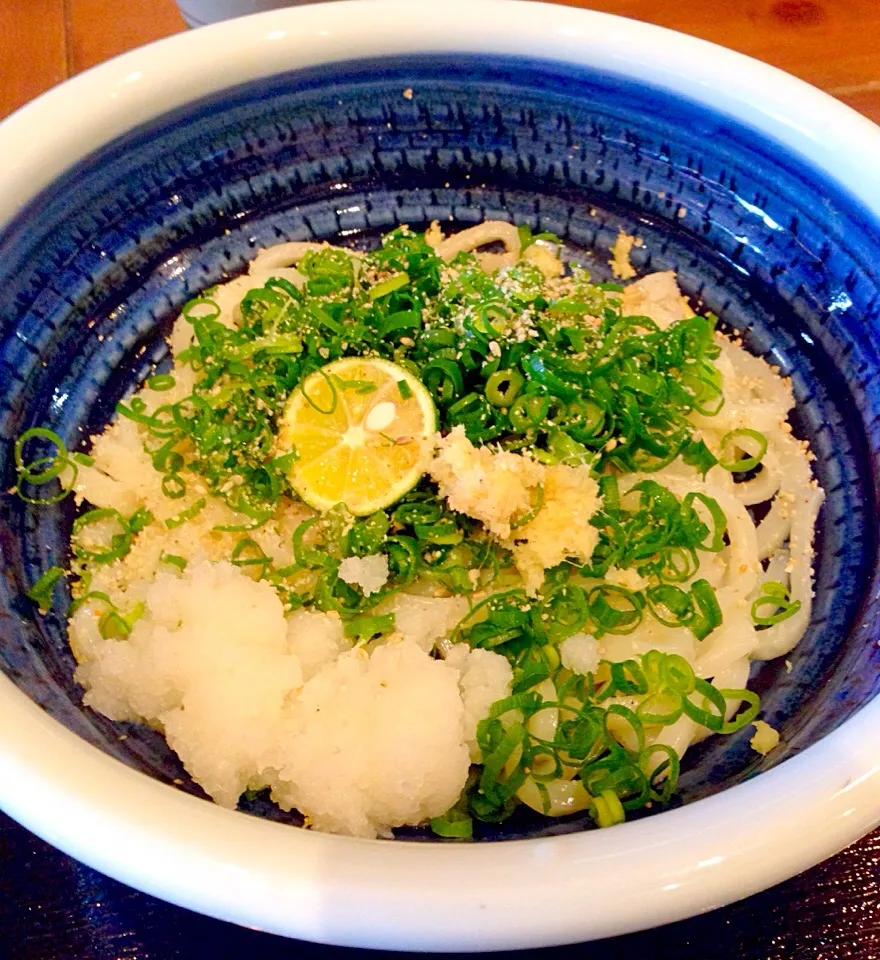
(52, 908)
(834, 44)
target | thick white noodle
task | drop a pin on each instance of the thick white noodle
(764, 485)
(564, 796)
(678, 735)
(735, 640)
(735, 676)
(272, 262)
(492, 231)
(545, 723)
(755, 398)
(781, 638)
(284, 255)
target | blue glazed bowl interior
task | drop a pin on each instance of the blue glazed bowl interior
(95, 269)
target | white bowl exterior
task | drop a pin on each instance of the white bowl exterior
(409, 895)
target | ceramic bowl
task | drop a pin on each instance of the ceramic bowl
(134, 186)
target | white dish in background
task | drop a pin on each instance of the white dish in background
(198, 13)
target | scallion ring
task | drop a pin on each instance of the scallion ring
(733, 441)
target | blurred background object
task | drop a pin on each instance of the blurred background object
(197, 13)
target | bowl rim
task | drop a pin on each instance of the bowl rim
(324, 888)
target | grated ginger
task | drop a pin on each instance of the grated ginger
(494, 488)
(499, 488)
(656, 296)
(765, 738)
(545, 260)
(620, 263)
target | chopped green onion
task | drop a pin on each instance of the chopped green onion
(503, 387)
(202, 308)
(607, 809)
(358, 386)
(666, 772)
(119, 541)
(670, 605)
(248, 553)
(708, 612)
(716, 514)
(58, 465)
(443, 378)
(697, 454)
(334, 399)
(173, 486)
(307, 556)
(191, 511)
(114, 625)
(710, 696)
(744, 718)
(528, 411)
(43, 591)
(614, 609)
(365, 628)
(388, 286)
(775, 597)
(367, 535)
(731, 442)
(161, 382)
(453, 825)
(55, 464)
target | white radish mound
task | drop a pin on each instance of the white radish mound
(358, 741)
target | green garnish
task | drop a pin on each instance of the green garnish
(52, 466)
(43, 591)
(249, 554)
(366, 628)
(773, 597)
(604, 740)
(114, 537)
(453, 825)
(388, 286)
(358, 386)
(566, 379)
(116, 625)
(192, 511)
(161, 382)
(734, 440)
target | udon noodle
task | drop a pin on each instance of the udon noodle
(495, 623)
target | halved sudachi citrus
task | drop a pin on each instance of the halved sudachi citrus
(362, 430)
